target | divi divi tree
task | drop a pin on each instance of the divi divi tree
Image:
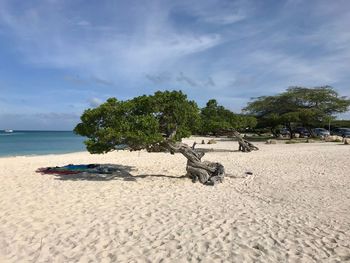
(155, 122)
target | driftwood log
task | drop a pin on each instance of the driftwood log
(207, 173)
(244, 145)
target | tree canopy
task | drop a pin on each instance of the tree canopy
(155, 123)
(305, 106)
(216, 118)
(140, 123)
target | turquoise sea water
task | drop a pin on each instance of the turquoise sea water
(20, 143)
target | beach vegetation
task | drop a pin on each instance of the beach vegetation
(307, 107)
(216, 120)
(155, 122)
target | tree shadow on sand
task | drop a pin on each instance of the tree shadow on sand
(161, 176)
(114, 172)
(208, 150)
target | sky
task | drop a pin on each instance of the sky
(60, 57)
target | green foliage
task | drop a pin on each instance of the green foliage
(216, 118)
(338, 124)
(246, 121)
(308, 107)
(139, 123)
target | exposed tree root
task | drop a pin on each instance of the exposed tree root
(207, 173)
(244, 145)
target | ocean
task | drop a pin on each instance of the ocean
(19, 143)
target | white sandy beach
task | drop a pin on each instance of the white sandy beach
(294, 208)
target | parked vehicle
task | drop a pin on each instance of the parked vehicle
(321, 132)
(302, 131)
(344, 132)
(284, 132)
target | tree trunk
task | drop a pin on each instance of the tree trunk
(274, 132)
(289, 127)
(244, 145)
(207, 173)
(312, 133)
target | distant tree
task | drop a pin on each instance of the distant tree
(246, 122)
(215, 119)
(337, 123)
(156, 123)
(305, 106)
(218, 120)
(272, 122)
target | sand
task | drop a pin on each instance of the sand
(295, 207)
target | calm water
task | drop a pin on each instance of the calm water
(39, 142)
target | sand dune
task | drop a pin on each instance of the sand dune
(295, 207)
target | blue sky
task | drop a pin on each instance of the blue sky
(61, 57)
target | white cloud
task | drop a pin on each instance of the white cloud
(47, 39)
(74, 80)
(159, 78)
(95, 102)
(83, 23)
(165, 78)
(217, 54)
(224, 19)
(217, 12)
(102, 81)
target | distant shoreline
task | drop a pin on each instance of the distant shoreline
(28, 143)
(40, 154)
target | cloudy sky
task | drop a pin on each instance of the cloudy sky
(59, 57)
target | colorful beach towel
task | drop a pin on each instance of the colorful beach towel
(77, 169)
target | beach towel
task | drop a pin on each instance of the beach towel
(77, 169)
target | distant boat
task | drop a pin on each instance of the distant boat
(8, 131)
